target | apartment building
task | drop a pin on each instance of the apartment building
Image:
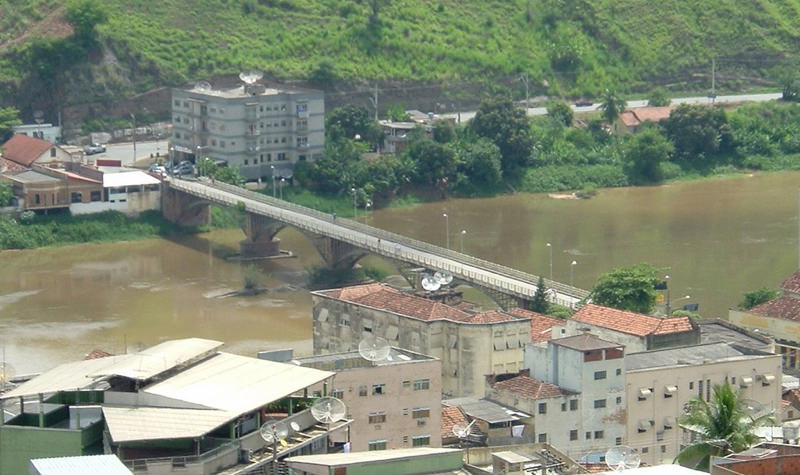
(394, 404)
(469, 345)
(593, 369)
(262, 131)
(660, 383)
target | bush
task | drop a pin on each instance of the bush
(757, 297)
(572, 177)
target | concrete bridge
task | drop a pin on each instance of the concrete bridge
(342, 242)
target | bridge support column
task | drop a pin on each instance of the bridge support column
(337, 254)
(505, 301)
(184, 209)
(261, 240)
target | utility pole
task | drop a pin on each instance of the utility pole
(713, 80)
(374, 101)
(524, 78)
(133, 117)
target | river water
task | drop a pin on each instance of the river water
(715, 238)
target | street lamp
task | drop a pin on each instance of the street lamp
(367, 207)
(572, 272)
(550, 248)
(272, 167)
(283, 180)
(463, 232)
(446, 230)
(669, 304)
(355, 209)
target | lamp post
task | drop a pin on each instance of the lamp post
(550, 248)
(367, 207)
(446, 230)
(272, 167)
(666, 284)
(172, 161)
(133, 117)
(463, 232)
(355, 209)
(669, 304)
(572, 272)
(281, 188)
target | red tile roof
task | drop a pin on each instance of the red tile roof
(24, 150)
(631, 323)
(785, 308)
(491, 317)
(7, 166)
(541, 325)
(792, 284)
(451, 415)
(530, 388)
(97, 354)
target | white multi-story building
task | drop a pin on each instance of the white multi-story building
(259, 130)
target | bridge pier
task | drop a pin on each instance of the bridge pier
(260, 240)
(184, 209)
(337, 254)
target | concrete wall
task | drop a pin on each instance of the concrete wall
(777, 327)
(446, 462)
(131, 204)
(657, 407)
(555, 423)
(786, 465)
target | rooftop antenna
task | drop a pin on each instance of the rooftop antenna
(250, 77)
(328, 410)
(274, 432)
(429, 283)
(462, 430)
(622, 457)
(443, 278)
(374, 348)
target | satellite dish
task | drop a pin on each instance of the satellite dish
(7, 372)
(295, 426)
(462, 430)
(38, 116)
(328, 410)
(430, 283)
(621, 458)
(274, 431)
(250, 77)
(202, 86)
(374, 348)
(443, 278)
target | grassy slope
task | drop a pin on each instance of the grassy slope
(610, 41)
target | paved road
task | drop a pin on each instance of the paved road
(536, 111)
(482, 273)
(124, 151)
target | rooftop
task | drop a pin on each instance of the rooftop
(352, 458)
(694, 355)
(718, 330)
(485, 410)
(451, 415)
(240, 92)
(631, 323)
(159, 358)
(585, 342)
(127, 424)
(30, 176)
(784, 308)
(541, 325)
(354, 360)
(531, 388)
(134, 178)
(634, 117)
(82, 465)
(792, 284)
(24, 150)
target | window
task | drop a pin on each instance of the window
(36, 199)
(645, 450)
(542, 408)
(422, 384)
(573, 405)
(542, 438)
(599, 375)
(53, 152)
(598, 434)
(619, 399)
(76, 197)
(281, 156)
(700, 389)
(338, 393)
(245, 161)
(378, 389)
(573, 435)
(691, 385)
(595, 355)
(420, 412)
(420, 440)
(177, 103)
(599, 403)
(618, 441)
(377, 417)
(563, 407)
(362, 390)
(222, 143)
(588, 435)
(406, 384)
(663, 449)
(95, 196)
(619, 371)
(377, 445)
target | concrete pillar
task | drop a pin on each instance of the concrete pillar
(183, 209)
(261, 240)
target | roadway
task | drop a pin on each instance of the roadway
(377, 241)
(124, 151)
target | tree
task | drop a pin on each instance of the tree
(790, 82)
(435, 163)
(323, 74)
(500, 121)
(698, 132)
(658, 98)
(230, 176)
(540, 303)
(481, 161)
(725, 423)
(612, 106)
(351, 121)
(443, 131)
(84, 16)
(757, 297)
(643, 155)
(560, 112)
(397, 113)
(9, 117)
(6, 193)
(628, 288)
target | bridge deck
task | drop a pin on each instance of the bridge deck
(468, 268)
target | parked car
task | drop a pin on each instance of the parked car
(583, 102)
(158, 169)
(93, 148)
(184, 168)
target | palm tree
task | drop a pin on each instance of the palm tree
(726, 425)
(612, 106)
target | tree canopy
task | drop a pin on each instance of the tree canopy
(351, 121)
(508, 127)
(698, 132)
(9, 117)
(612, 105)
(757, 297)
(643, 154)
(628, 288)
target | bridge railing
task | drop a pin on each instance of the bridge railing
(390, 237)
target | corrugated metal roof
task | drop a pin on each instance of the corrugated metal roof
(114, 180)
(485, 410)
(162, 357)
(126, 424)
(237, 383)
(687, 356)
(83, 465)
(65, 377)
(351, 458)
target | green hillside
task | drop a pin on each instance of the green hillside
(578, 47)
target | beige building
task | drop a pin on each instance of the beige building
(469, 345)
(660, 383)
(394, 404)
(779, 318)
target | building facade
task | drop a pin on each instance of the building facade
(660, 383)
(394, 404)
(469, 345)
(260, 131)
